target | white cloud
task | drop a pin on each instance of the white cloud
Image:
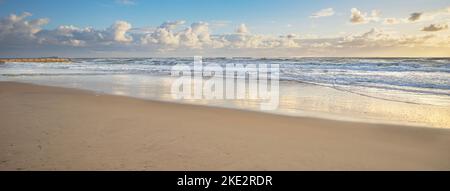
(161, 36)
(120, 29)
(164, 35)
(242, 29)
(196, 36)
(74, 36)
(323, 13)
(358, 17)
(19, 32)
(16, 29)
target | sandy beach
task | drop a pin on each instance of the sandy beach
(49, 128)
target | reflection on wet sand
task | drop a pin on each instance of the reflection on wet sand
(296, 99)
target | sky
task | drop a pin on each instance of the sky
(260, 28)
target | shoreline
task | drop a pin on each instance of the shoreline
(390, 112)
(45, 60)
(316, 94)
(42, 130)
(315, 115)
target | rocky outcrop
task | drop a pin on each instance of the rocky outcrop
(3, 60)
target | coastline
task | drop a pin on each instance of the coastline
(51, 128)
(45, 60)
(375, 91)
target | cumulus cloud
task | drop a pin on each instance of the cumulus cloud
(164, 35)
(19, 31)
(242, 29)
(68, 35)
(16, 29)
(435, 27)
(120, 29)
(323, 13)
(161, 36)
(196, 36)
(359, 17)
(74, 36)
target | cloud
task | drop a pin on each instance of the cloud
(374, 40)
(415, 17)
(67, 35)
(323, 13)
(391, 21)
(19, 32)
(16, 29)
(358, 17)
(171, 25)
(164, 35)
(377, 38)
(70, 35)
(242, 29)
(429, 15)
(161, 36)
(196, 36)
(120, 29)
(435, 27)
(433, 15)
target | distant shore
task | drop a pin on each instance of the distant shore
(4, 60)
(49, 128)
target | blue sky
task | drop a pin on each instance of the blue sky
(256, 13)
(263, 17)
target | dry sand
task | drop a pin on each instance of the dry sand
(48, 128)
